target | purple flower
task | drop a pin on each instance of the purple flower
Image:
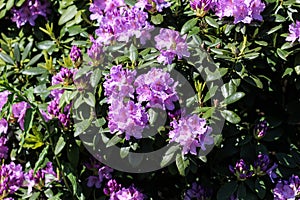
(19, 112)
(241, 10)
(157, 88)
(43, 177)
(119, 83)
(29, 12)
(64, 77)
(127, 193)
(191, 132)
(111, 187)
(96, 51)
(271, 172)
(94, 181)
(260, 129)
(12, 178)
(294, 30)
(287, 189)
(117, 21)
(3, 148)
(261, 164)
(75, 54)
(129, 118)
(3, 126)
(170, 43)
(99, 173)
(201, 6)
(198, 192)
(3, 98)
(161, 4)
(241, 170)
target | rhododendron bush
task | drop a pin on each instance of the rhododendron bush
(150, 99)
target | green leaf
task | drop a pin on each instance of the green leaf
(90, 100)
(35, 71)
(261, 43)
(286, 160)
(233, 98)
(113, 141)
(260, 188)
(41, 159)
(274, 29)
(124, 151)
(157, 19)
(228, 89)
(282, 54)
(73, 154)
(26, 50)
(6, 58)
(34, 140)
(133, 53)
(9, 4)
(67, 14)
(28, 119)
(17, 53)
(59, 145)
(130, 2)
(95, 77)
(288, 71)
(45, 45)
(80, 127)
(167, 157)
(212, 91)
(227, 190)
(188, 25)
(242, 191)
(230, 116)
(212, 22)
(181, 164)
(34, 60)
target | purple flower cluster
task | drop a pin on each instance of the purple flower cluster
(262, 164)
(157, 88)
(75, 54)
(287, 189)
(191, 132)
(29, 11)
(64, 77)
(3, 148)
(124, 114)
(260, 129)
(198, 192)
(101, 173)
(204, 5)
(43, 177)
(95, 51)
(3, 100)
(117, 21)
(127, 95)
(170, 44)
(117, 192)
(19, 111)
(242, 10)
(12, 177)
(241, 170)
(294, 30)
